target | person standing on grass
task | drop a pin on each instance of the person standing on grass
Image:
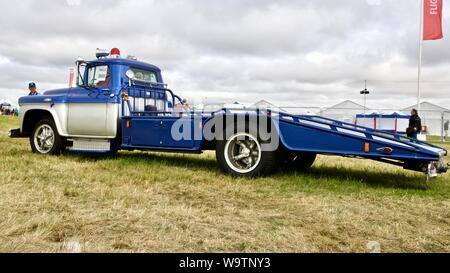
(415, 125)
(446, 130)
(32, 88)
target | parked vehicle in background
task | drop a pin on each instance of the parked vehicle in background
(6, 109)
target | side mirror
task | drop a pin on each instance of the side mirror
(130, 74)
(81, 66)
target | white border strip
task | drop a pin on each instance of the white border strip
(390, 141)
(433, 149)
(288, 117)
(351, 132)
(315, 124)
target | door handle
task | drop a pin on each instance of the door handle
(159, 124)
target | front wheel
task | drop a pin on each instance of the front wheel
(45, 138)
(241, 155)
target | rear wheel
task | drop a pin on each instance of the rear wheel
(45, 138)
(241, 155)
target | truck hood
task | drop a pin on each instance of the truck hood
(57, 92)
(54, 96)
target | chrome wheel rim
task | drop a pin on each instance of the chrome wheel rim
(242, 153)
(44, 138)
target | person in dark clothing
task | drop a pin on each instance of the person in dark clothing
(32, 88)
(415, 125)
(446, 130)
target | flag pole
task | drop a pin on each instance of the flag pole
(420, 55)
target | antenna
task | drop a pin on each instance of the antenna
(364, 92)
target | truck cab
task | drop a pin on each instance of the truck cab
(87, 117)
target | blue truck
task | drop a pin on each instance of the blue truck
(123, 104)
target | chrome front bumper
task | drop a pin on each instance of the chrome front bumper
(15, 133)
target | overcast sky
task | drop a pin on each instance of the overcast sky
(307, 53)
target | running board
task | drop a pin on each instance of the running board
(90, 145)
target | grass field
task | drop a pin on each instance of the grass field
(151, 202)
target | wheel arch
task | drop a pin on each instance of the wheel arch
(33, 116)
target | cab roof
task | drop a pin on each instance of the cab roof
(126, 62)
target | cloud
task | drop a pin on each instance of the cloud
(312, 53)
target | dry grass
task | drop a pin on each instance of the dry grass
(154, 202)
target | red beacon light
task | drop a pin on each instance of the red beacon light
(115, 52)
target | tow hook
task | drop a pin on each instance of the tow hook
(433, 169)
(441, 167)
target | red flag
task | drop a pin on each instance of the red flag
(71, 77)
(432, 20)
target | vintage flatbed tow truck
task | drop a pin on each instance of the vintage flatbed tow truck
(121, 103)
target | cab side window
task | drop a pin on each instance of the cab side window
(99, 76)
(144, 75)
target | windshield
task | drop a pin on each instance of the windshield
(98, 75)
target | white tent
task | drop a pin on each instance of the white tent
(263, 104)
(431, 115)
(344, 111)
(394, 122)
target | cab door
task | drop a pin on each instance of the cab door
(87, 105)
